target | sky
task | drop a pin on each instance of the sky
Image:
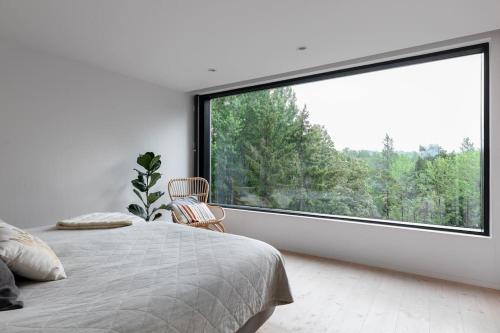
(437, 102)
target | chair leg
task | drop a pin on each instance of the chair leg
(219, 226)
(215, 227)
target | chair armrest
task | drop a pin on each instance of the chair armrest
(218, 212)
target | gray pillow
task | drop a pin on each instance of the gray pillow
(8, 290)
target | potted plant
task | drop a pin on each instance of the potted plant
(142, 187)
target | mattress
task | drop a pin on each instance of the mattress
(151, 277)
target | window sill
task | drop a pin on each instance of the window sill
(365, 221)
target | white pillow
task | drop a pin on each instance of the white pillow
(28, 255)
(97, 221)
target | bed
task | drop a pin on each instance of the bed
(153, 277)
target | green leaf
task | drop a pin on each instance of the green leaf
(154, 178)
(140, 173)
(163, 206)
(140, 177)
(157, 216)
(138, 184)
(152, 197)
(154, 161)
(145, 160)
(137, 210)
(140, 196)
(155, 165)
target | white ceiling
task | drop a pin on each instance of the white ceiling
(173, 43)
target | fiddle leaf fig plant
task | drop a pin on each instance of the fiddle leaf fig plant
(145, 180)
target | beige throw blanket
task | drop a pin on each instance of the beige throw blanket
(95, 221)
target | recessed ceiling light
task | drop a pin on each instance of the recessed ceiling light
(212, 70)
(302, 48)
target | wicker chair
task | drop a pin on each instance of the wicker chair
(196, 186)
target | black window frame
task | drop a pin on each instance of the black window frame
(203, 132)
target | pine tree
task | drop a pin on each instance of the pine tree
(467, 145)
(386, 182)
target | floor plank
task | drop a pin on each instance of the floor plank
(338, 297)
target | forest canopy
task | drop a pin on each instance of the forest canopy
(266, 152)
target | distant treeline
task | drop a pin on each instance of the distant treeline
(266, 153)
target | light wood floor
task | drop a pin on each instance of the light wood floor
(334, 296)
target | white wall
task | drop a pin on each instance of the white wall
(463, 258)
(70, 134)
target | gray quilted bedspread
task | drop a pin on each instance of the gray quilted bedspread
(151, 277)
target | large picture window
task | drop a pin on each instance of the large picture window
(402, 142)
